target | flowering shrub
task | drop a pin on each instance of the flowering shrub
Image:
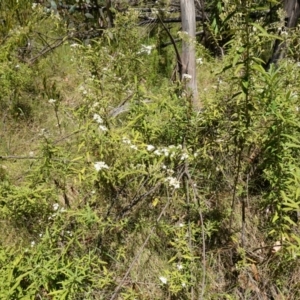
(127, 193)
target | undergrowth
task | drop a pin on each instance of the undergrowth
(112, 187)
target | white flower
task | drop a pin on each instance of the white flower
(98, 119)
(199, 61)
(146, 49)
(157, 152)
(183, 284)
(40, 235)
(134, 147)
(126, 141)
(163, 279)
(170, 172)
(173, 182)
(51, 101)
(32, 243)
(34, 5)
(165, 151)
(31, 153)
(294, 95)
(179, 267)
(103, 128)
(186, 76)
(181, 225)
(55, 206)
(74, 45)
(99, 165)
(150, 147)
(184, 156)
(44, 132)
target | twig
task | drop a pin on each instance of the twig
(125, 106)
(148, 20)
(195, 196)
(48, 49)
(179, 61)
(117, 289)
(187, 195)
(137, 199)
(19, 157)
(178, 40)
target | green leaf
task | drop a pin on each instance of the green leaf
(288, 219)
(262, 30)
(172, 259)
(275, 218)
(18, 281)
(72, 9)
(53, 5)
(89, 16)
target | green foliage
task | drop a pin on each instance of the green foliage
(127, 191)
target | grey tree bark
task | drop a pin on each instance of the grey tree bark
(189, 76)
(292, 10)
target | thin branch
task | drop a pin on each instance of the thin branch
(179, 60)
(117, 289)
(195, 197)
(148, 20)
(137, 199)
(178, 40)
(19, 157)
(48, 49)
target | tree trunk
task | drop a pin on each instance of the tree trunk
(188, 20)
(292, 10)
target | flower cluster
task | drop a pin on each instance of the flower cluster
(128, 142)
(99, 120)
(199, 61)
(56, 208)
(146, 49)
(163, 279)
(51, 101)
(173, 182)
(100, 165)
(187, 76)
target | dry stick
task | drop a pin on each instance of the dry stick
(236, 180)
(48, 49)
(187, 195)
(179, 40)
(19, 157)
(117, 289)
(57, 119)
(195, 195)
(179, 60)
